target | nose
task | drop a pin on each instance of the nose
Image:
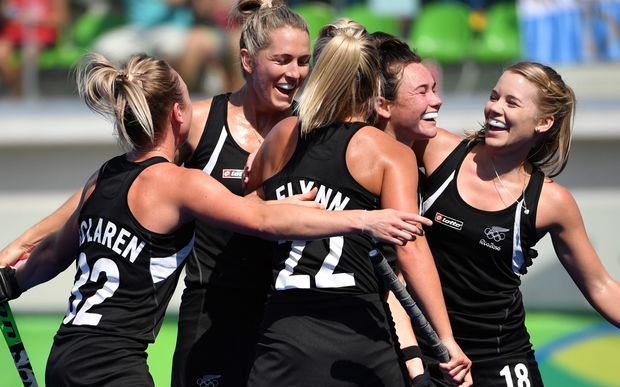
(493, 106)
(293, 70)
(435, 101)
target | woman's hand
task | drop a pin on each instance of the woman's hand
(14, 252)
(393, 226)
(457, 371)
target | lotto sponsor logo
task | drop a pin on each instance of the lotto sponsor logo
(448, 221)
(232, 173)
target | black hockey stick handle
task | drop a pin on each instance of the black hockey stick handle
(14, 342)
(384, 270)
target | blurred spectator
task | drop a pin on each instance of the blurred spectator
(156, 27)
(604, 24)
(26, 27)
(552, 31)
(211, 48)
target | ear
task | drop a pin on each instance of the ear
(246, 60)
(544, 124)
(176, 113)
(382, 107)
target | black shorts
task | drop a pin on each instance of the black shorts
(217, 334)
(97, 360)
(519, 370)
(348, 345)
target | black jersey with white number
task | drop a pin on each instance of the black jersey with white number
(334, 265)
(224, 258)
(326, 322)
(126, 274)
(480, 256)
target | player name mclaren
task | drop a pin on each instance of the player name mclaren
(112, 236)
(332, 200)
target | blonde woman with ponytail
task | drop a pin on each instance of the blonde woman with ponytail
(326, 321)
(133, 228)
(215, 340)
(496, 186)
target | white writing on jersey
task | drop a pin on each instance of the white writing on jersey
(108, 234)
(232, 173)
(332, 200)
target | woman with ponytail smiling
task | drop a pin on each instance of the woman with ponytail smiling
(134, 227)
(326, 320)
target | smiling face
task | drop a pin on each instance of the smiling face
(414, 111)
(512, 115)
(277, 71)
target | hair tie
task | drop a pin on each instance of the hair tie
(120, 78)
(266, 4)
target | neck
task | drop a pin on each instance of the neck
(504, 163)
(261, 118)
(137, 155)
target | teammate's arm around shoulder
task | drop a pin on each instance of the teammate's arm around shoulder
(558, 214)
(203, 197)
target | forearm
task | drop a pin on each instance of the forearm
(52, 256)
(50, 224)
(406, 336)
(402, 322)
(423, 282)
(293, 222)
(605, 300)
(43, 265)
(23, 245)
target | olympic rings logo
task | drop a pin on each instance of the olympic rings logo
(495, 234)
(208, 381)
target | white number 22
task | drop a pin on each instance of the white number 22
(81, 316)
(325, 277)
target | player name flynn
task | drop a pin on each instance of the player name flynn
(332, 200)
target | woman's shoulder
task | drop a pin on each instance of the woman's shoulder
(556, 205)
(283, 128)
(554, 194)
(379, 145)
(201, 110)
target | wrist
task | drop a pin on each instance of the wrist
(9, 288)
(363, 230)
(411, 352)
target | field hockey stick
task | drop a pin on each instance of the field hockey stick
(14, 341)
(422, 325)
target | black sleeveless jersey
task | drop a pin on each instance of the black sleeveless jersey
(326, 321)
(224, 258)
(126, 274)
(480, 256)
(338, 264)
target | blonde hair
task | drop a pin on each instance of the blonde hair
(557, 99)
(136, 97)
(345, 79)
(259, 18)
